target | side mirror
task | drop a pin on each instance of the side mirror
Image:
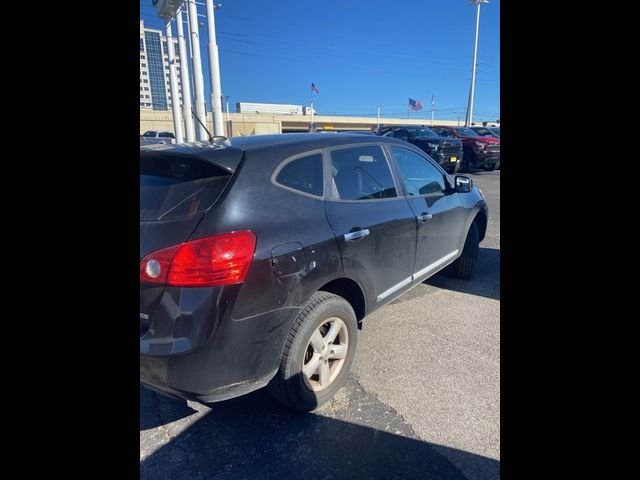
(463, 184)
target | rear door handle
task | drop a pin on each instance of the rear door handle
(357, 235)
(425, 217)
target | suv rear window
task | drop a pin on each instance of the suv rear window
(174, 186)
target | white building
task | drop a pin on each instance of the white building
(155, 90)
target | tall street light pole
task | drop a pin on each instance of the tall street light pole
(469, 119)
(173, 83)
(201, 133)
(228, 118)
(214, 69)
(185, 80)
(378, 123)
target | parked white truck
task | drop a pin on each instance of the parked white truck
(274, 108)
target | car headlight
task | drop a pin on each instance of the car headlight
(481, 145)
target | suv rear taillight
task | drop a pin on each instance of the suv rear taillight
(206, 262)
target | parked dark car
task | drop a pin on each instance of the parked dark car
(261, 256)
(446, 151)
(484, 131)
(495, 130)
(479, 152)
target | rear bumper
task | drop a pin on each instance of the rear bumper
(226, 357)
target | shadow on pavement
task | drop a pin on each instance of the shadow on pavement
(253, 437)
(485, 281)
(158, 413)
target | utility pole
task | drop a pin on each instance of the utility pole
(197, 70)
(378, 123)
(214, 70)
(469, 118)
(313, 127)
(433, 109)
(228, 117)
(185, 81)
(173, 83)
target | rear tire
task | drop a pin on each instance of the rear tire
(308, 344)
(465, 265)
(489, 168)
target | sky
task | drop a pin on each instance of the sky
(359, 54)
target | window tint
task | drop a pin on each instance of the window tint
(304, 174)
(361, 173)
(149, 134)
(166, 134)
(466, 132)
(173, 186)
(443, 132)
(419, 176)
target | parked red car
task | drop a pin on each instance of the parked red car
(479, 152)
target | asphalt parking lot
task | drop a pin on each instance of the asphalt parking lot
(423, 399)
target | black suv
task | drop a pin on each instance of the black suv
(260, 256)
(446, 151)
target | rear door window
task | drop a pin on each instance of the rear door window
(174, 186)
(303, 174)
(361, 173)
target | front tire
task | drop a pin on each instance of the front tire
(465, 265)
(489, 168)
(318, 353)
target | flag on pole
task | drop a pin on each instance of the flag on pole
(415, 105)
(314, 88)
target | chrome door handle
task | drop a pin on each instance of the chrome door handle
(425, 217)
(357, 235)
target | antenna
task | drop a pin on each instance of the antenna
(203, 125)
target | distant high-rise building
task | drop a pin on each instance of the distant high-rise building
(155, 90)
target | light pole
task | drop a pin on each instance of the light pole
(378, 122)
(469, 118)
(201, 133)
(214, 69)
(185, 80)
(173, 83)
(226, 98)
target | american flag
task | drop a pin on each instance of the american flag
(314, 88)
(415, 105)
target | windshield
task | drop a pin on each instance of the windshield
(484, 132)
(175, 186)
(495, 130)
(421, 132)
(466, 132)
(149, 134)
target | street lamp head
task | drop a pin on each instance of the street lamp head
(477, 2)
